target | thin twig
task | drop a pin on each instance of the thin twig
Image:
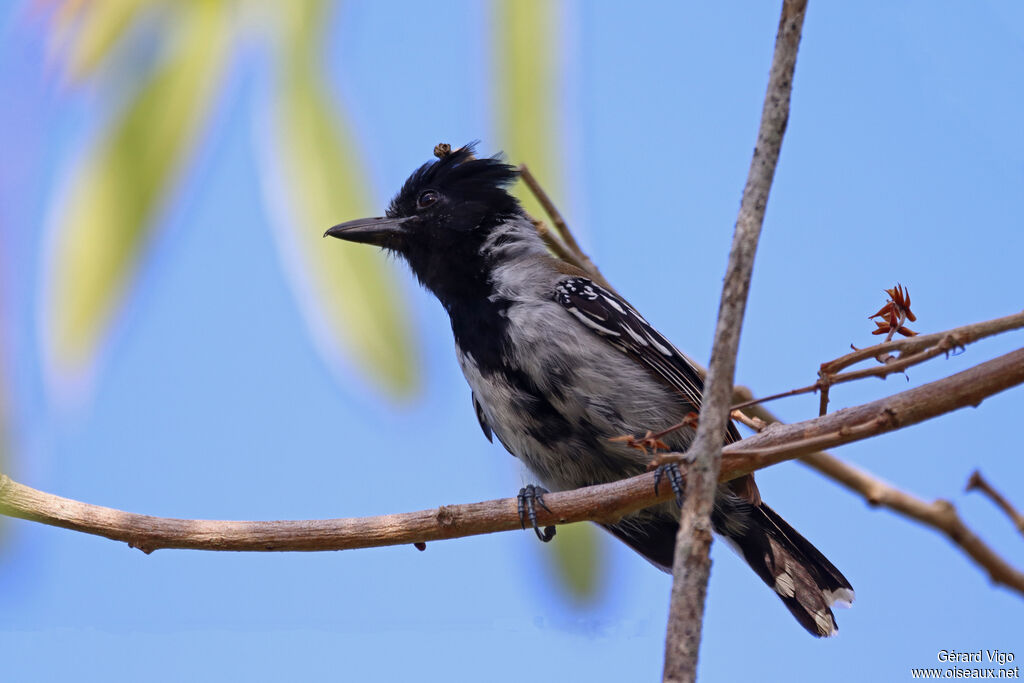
(554, 244)
(605, 503)
(755, 423)
(968, 387)
(960, 336)
(823, 384)
(692, 562)
(774, 397)
(579, 257)
(933, 345)
(550, 209)
(978, 483)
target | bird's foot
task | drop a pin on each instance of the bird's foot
(675, 478)
(529, 498)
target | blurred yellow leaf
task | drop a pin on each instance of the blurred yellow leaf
(525, 104)
(579, 559)
(525, 93)
(108, 210)
(5, 435)
(355, 291)
(99, 25)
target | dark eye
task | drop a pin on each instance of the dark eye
(427, 197)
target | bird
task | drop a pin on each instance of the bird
(560, 368)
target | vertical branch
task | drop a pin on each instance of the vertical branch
(692, 562)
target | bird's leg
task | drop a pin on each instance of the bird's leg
(529, 497)
(675, 478)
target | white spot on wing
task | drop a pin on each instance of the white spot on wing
(784, 585)
(639, 340)
(826, 626)
(661, 347)
(614, 304)
(592, 324)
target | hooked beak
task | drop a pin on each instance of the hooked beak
(381, 232)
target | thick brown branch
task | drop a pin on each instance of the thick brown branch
(979, 483)
(871, 487)
(780, 442)
(599, 503)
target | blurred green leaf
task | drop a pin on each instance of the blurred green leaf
(107, 212)
(355, 290)
(525, 103)
(99, 26)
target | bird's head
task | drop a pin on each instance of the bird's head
(445, 220)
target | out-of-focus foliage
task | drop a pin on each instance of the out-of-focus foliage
(525, 103)
(90, 33)
(107, 214)
(109, 209)
(4, 433)
(358, 299)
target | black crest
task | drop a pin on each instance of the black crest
(476, 185)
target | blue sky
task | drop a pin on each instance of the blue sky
(904, 161)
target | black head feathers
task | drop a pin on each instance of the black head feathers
(460, 178)
(446, 222)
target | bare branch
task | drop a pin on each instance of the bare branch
(606, 503)
(554, 244)
(979, 483)
(940, 515)
(555, 216)
(921, 348)
(579, 257)
(693, 543)
(780, 442)
(958, 338)
(878, 493)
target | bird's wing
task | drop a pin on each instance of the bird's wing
(611, 317)
(481, 418)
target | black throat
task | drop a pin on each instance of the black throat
(458, 208)
(458, 272)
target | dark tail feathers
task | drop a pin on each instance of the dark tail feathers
(806, 582)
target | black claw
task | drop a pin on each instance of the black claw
(675, 478)
(529, 497)
(521, 505)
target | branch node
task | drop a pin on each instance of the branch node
(445, 516)
(978, 483)
(888, 418)
(143, 546)
(946, 511)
